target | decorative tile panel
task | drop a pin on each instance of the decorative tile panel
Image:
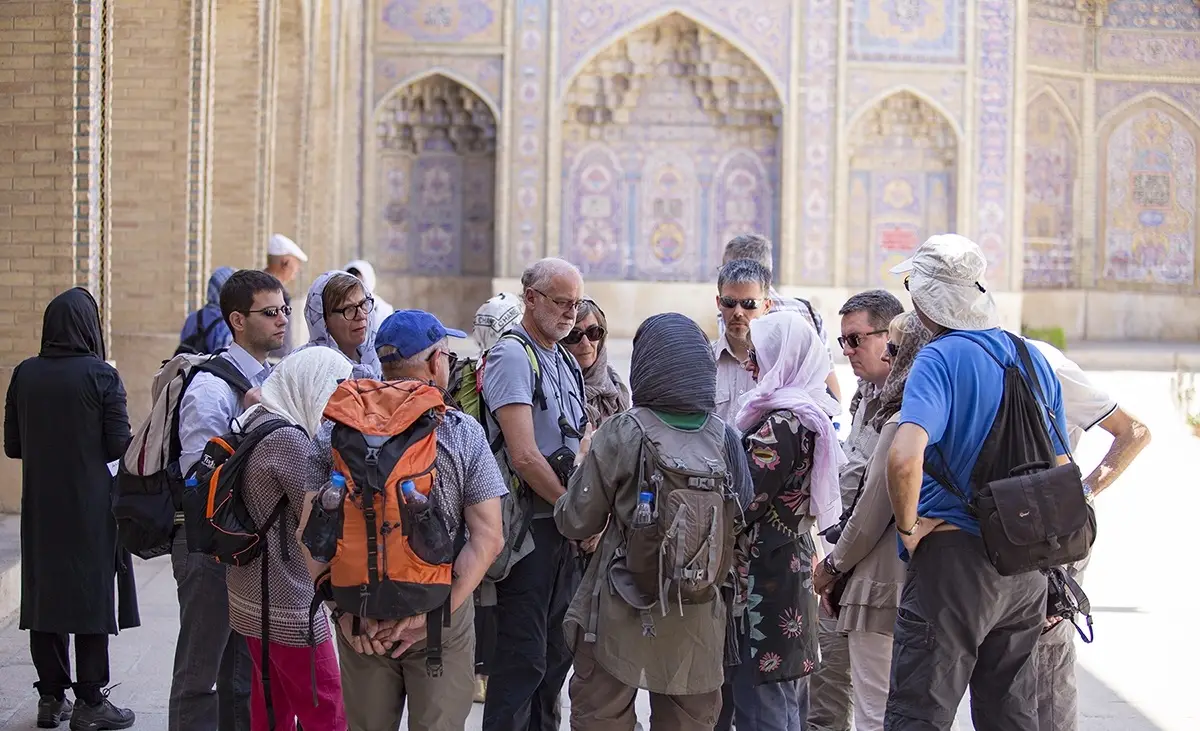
(1149, 199)
(907, 30)
(439, 21)
(1063, 11)
(903, 157)
(670, 148)
(818, 136)
(1157, 15)
(760, 26)
(437, 163)
(1112, 94)
(1051, 172)
(1151, 54)
(527, 219)
(863, 86)
(994, 82)
(1069, 88)
(1057, 44)
(485, 72)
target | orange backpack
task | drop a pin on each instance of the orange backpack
(394, 553)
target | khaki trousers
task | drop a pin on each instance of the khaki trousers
(375, 688)
(830, 688)
(600, 702)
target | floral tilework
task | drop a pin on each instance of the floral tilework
(1150, 53)
(485, 72)
(1056, 44)
(439, 21)
(907, 30)
(758, 26)
(1112, 94)
(528, 156)
(1160, 14)
(818, 135)
(994, 129)
(865, 85)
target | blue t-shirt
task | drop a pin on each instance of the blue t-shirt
(953, 392)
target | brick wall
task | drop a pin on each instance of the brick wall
(149, 212)
(38, 62)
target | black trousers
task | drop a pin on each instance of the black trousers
(53, 664)
(531, 659)
(485, 638)
(961, 624)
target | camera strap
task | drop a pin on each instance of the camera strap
(1071, 601)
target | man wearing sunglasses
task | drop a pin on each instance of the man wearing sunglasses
(742, 287)
(208, 653)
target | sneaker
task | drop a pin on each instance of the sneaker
(101, 716)
(480, 688)
(53, 711)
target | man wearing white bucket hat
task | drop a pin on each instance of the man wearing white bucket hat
(957, 613)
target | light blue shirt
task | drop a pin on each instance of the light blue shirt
(210, 404)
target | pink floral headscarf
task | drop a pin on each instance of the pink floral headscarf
(792, 367)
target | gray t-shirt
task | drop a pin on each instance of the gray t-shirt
(508, 379)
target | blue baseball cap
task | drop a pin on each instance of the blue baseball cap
(410, 332)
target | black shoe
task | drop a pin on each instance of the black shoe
(53, 711)
(103, 715)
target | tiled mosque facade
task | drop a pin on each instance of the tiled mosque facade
(451, 142)
(634, 138)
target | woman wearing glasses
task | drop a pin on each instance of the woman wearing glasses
(338, 313)
(869, 596)
(606, 393)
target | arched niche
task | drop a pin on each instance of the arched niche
(902, 184)
(671, 145)
(435, 181)
(1149, 197)
(1051, 195)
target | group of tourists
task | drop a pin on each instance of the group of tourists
(368, 525)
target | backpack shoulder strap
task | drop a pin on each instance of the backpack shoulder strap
(1039, 394)
(539, 396)
(224, 369)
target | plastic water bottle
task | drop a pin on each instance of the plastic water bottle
(331, 497)
(417, 502)
(191, 483)
(643, 515)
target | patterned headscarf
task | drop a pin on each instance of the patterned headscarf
(318, 333)
(606, 393)
(914, 337)
(672, 368)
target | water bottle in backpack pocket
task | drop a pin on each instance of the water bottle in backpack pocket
(324, 525)
(428, 536)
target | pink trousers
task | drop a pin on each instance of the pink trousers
(292, 688)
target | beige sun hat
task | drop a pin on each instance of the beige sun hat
(947, 284)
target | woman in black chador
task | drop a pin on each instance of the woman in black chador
(65, 419)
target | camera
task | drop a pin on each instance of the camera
(833, 533)
(563, 464)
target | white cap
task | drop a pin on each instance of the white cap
(495, 318)
(281, 245)
(947, 283)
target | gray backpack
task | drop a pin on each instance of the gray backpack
(684, 555)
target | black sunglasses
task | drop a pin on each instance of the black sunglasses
(730, 302)
(272, 312)
(853, 340)
(892, 349)
(595, 333)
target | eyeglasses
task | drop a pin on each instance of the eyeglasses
(730, 302)
(350, 312)
(892, 349)
(272, 312)
(854, 340)
(595, 333)
(451, 358)
(569, 305)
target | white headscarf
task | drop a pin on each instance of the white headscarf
(301, 384)
(793, 365)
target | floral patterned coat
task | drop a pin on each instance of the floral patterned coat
(781, 618)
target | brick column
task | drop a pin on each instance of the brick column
(51, 186)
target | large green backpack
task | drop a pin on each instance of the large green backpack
(466, 386)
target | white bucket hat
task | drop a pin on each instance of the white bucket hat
(496, 317)
(947, 284)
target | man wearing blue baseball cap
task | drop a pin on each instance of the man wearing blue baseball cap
(413, 344)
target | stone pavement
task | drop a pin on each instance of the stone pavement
(1138, 676)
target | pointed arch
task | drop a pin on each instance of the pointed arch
(1053, 170)
(449, 75)
(1057, 98)
(651, 17)
(1116, 115)
(874, 101)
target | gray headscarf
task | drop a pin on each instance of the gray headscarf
(672, 369)
(606, 394)
(915, 337)
(318, 334)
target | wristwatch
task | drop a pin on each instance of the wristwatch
(830, 569)
(911, 530)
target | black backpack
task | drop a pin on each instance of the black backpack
(149, 485)
(197, 342)
(1033, 514)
